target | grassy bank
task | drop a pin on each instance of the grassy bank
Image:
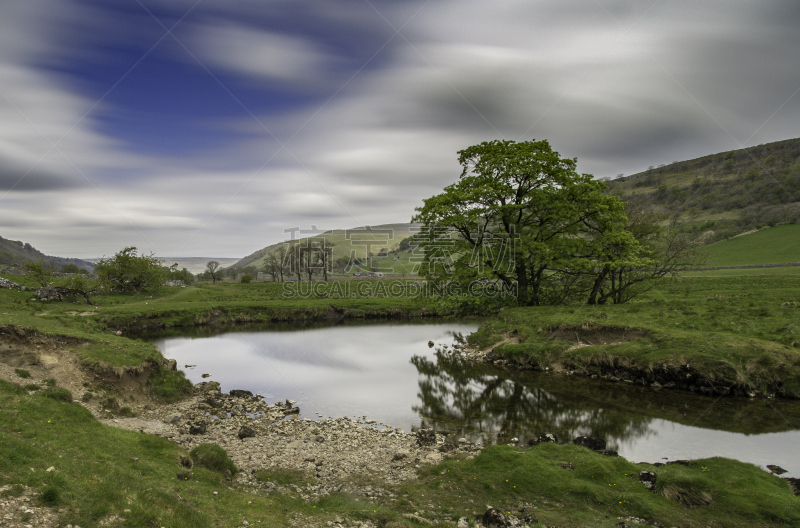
(106, 475)
(708, 333)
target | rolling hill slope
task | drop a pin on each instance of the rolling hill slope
(722, 194)
(17, 253)
(775, 245)
(347, 243)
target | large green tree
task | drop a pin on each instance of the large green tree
(522, 215)
(130, 272)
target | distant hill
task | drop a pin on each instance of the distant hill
(355, 242)
(197, 264)
(722, 194)
(775, 245)
(17, 253)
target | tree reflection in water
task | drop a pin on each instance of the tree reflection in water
(491, 406)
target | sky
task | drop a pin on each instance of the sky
(210, 127)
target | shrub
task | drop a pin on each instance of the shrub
(246, 279)
(50, 495)
(31, 387)
(58, 393)
(22, 373)
(213, 457)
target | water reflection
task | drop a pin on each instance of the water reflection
(493, 407)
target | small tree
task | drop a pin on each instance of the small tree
(212, 266)
(37, 271)
(130, 272)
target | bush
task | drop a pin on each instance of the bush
(129, 272)
(50, 495)
(31, 387)
(213, 457)
(58, 393)
(22, 373)
(246, 279)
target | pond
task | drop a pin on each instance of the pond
(389, 373)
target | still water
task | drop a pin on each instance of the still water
(387, 372)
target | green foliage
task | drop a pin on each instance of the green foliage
(130, 272)
(70, 268)
(50, 496)
(213, 457)
(522, 215)
(22, 373)
(37, 271)
(246, 279)
(58, 393)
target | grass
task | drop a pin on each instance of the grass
(775, 245)
(738, 330)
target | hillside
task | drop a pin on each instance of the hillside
(357, 243)
(722, 194)
(17, 253)
(775, 245)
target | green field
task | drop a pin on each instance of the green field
(774, 245)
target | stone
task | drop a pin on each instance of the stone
(430, 344)
(238, 393)
(172, 364)
(206, 376)
(462, 523)
(548, 437)
(648, 478)
(493, 518)
(186, 461)
(595, 444)
(776, 470)
(237, 410)
(246, 432)
(173, 418)
(197, 428)
(608, 452)
(319, 438)
(426, 437)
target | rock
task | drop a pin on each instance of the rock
(400, 455)
(246, 432)
(608, 452)
(172, 364)
(430, 344)
(197, 428)
(237, 410)
(794, 484)
(289, 402)
(648, 478)
(566, 465)
(173, 418)
(426, 437)
(237, 393)
(493, 518)
(206, 376)
(186, 462)
(245, 523)
(548, 438)
(776, 470)
(462, 523)
(595, 444)
(319, 438)
(117, 332)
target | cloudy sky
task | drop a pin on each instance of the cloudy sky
(208, 127)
